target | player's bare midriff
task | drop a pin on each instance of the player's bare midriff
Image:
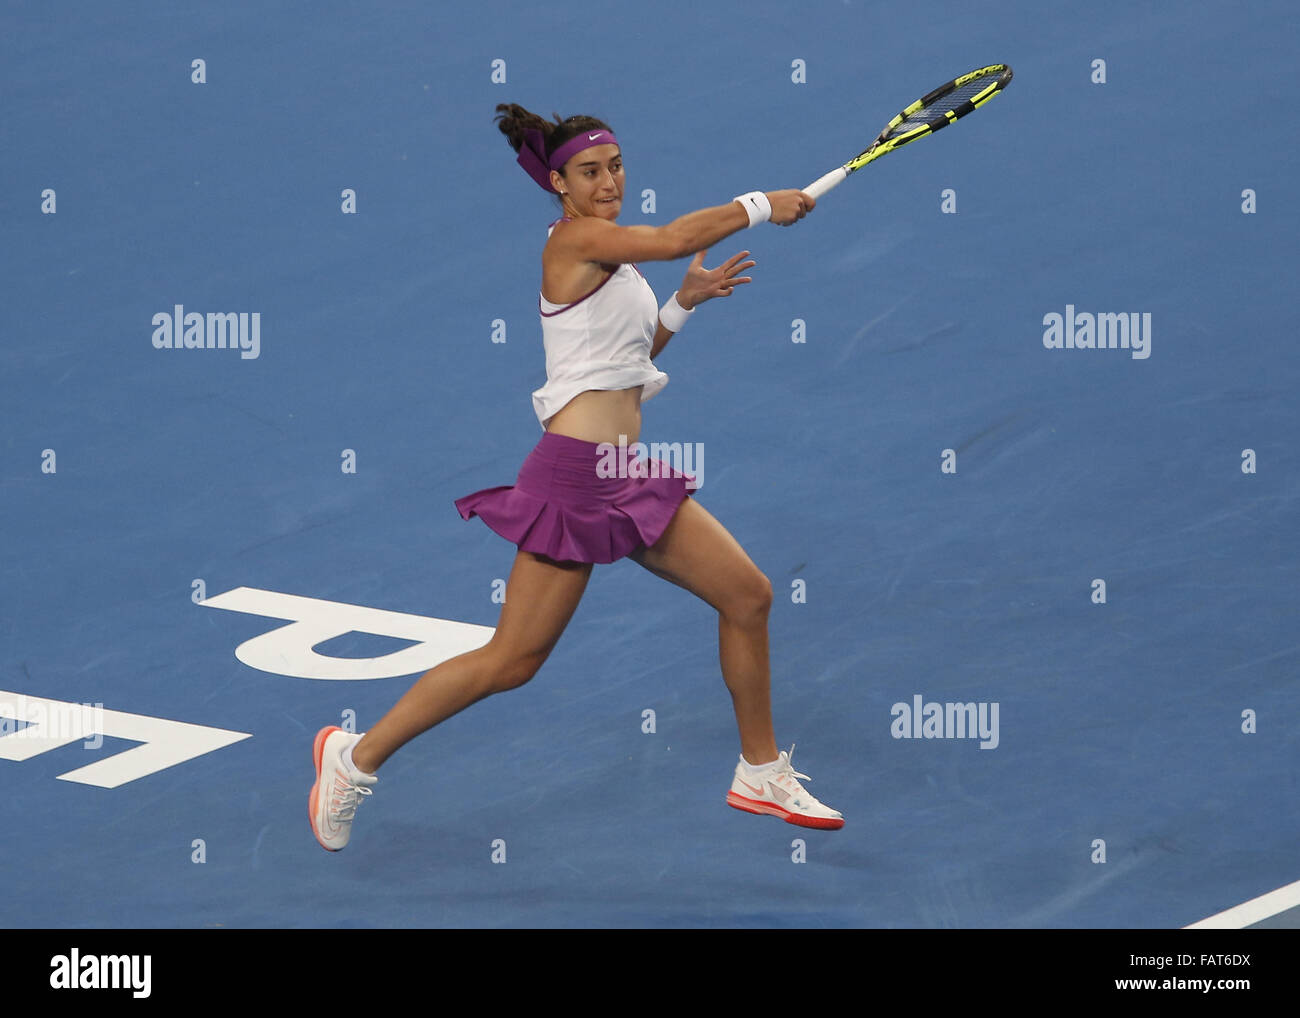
(601, 415)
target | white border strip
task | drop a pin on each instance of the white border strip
(1250, 912)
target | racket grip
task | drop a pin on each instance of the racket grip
(823, 184)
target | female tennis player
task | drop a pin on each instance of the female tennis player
(601, 329)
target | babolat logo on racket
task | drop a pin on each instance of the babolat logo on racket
(993, 71)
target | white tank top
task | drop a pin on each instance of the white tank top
(601, 341)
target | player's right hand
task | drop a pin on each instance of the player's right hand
(788, 207)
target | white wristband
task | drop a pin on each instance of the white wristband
(673, 315)
(756, 206)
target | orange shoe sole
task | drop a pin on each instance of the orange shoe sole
(771, 809)
(318, 751)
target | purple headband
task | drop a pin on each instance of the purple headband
(532, 153)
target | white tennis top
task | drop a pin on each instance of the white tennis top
(601, 341)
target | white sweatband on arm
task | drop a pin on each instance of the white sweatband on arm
(756, 206)
(673, 315)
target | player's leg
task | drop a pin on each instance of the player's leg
(697, 552)
(541, 597)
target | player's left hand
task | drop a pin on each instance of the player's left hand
(703, 284)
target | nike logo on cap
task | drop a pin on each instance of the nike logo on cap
(593, 137)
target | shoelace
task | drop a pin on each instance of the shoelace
(344, 804)
(803, 798)
(786, 768)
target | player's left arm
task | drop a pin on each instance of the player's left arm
(701, 284)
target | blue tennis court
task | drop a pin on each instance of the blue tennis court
(1035, 623)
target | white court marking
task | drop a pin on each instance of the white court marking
(1250, 912)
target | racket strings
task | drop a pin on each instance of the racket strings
(937, 110)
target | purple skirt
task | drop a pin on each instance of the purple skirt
(561, 507)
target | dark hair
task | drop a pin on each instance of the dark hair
(513, 120)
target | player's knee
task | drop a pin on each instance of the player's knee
(762, 595)
(751, 602)
(510, 670)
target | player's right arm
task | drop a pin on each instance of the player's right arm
(589, 239)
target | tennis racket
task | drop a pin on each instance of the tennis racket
(945, 105)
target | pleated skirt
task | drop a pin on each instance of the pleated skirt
(564, 505)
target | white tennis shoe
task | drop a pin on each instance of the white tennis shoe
(775, 790)
(338, 790)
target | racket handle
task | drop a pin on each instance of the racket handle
(823, 184)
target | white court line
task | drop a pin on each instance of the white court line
(1250, 912)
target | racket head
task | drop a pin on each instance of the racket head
(937, 109)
